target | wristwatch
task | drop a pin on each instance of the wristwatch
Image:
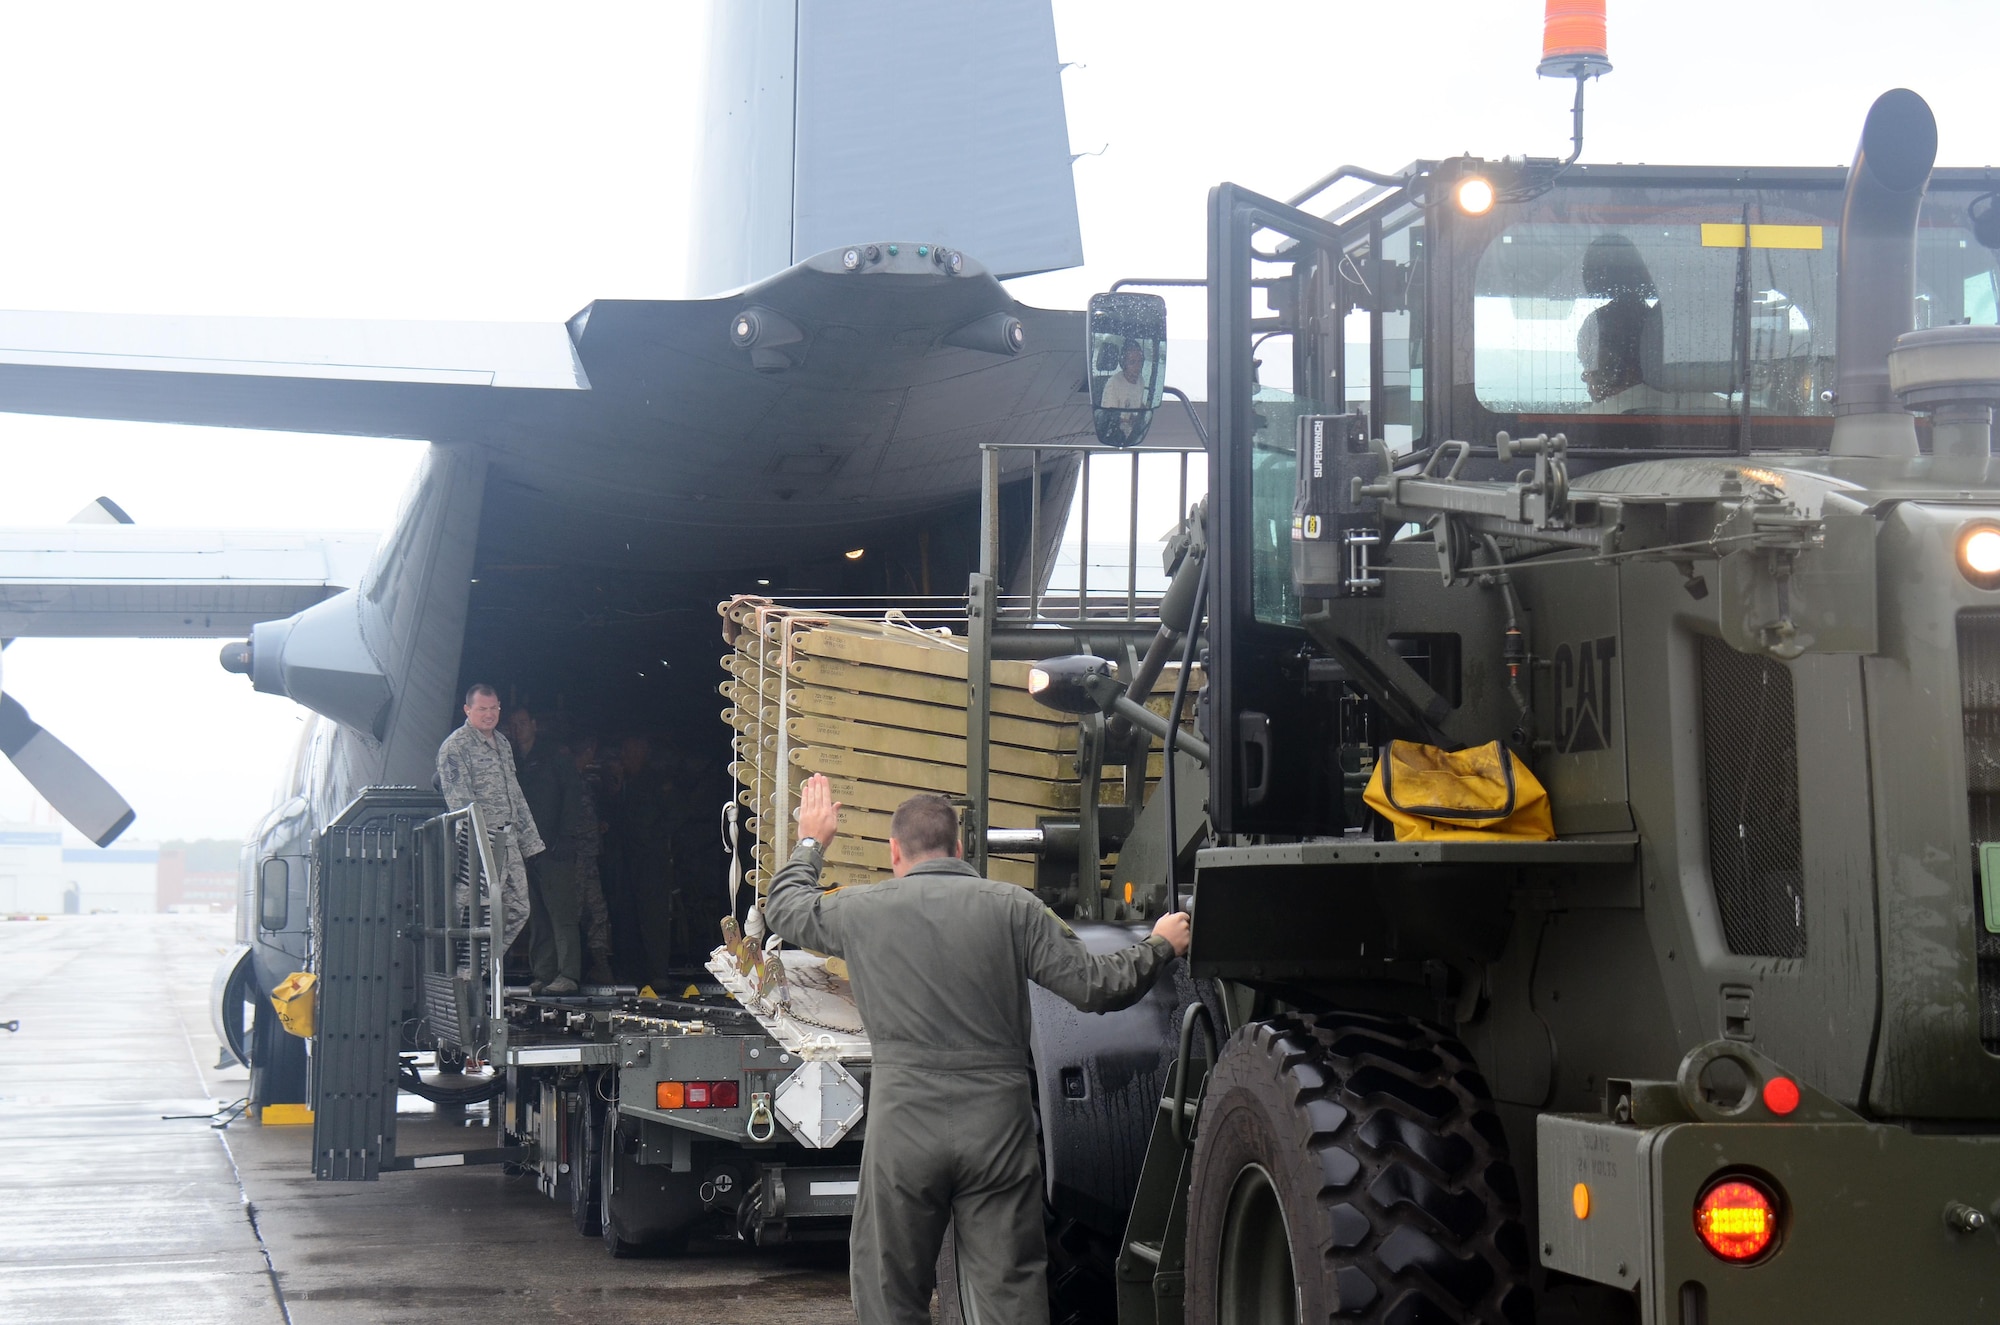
(814, 843)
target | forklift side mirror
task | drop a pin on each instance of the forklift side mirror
(1125, 344)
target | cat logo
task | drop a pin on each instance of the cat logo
(1582, 676)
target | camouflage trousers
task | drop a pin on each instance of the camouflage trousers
(596, 916)
(512, 887)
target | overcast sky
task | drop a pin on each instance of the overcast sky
(514, 162)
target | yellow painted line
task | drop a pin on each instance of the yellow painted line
(1724, 235)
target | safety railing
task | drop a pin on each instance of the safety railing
(1111, 607)
(459, 923)
(1114, 582)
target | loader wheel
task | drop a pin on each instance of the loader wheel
(1350, 1167)
(609, 1170)
(585, 1199)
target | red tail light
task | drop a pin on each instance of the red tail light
(1737, 1218)
(699, 1094)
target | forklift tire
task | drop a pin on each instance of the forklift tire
(1352, 1164)
(586, 1208)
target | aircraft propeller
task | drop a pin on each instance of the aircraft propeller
(77, 791)
(72, 787)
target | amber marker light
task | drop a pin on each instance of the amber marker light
(1579, 1201)
(1979, 555)
(1737, 1219)
(1475, 195)
(670, 1095)
(1574, 42)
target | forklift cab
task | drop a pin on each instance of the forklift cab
(1642, 312)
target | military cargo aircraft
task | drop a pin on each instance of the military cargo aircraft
(593, 488)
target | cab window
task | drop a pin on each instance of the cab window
(1662, 318)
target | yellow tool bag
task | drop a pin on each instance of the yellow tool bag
(295, 1000)
(1434, 795)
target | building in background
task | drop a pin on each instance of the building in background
(31, 870)
(124, 879)
(47, 869)
(193, 880)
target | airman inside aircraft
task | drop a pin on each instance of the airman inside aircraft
(635, 854)
(582, 751)
(475, 766)
(556, 801)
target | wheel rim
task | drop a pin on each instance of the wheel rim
(1254, 1280)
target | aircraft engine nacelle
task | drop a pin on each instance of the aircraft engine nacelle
(319, 658)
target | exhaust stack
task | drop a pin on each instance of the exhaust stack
(1878, 257)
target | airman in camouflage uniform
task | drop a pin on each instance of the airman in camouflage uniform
(589, 879)
(475, 766)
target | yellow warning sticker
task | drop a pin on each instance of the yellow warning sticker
(1725, 235)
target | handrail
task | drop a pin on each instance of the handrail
(1182, 1126)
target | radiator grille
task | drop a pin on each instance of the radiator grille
(1750, 744)
(1979, 705)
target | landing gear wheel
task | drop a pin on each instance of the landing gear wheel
(586, 1200)
(1352, 1165)
(277, 1061)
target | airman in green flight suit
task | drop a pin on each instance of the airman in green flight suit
(940, 960)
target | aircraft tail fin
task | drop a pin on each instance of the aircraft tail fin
(839, 121)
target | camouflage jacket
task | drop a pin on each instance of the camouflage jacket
(472, 770)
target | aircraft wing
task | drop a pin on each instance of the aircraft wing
(360, 378)
(127, 581)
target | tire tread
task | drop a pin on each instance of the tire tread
(1392, 1155)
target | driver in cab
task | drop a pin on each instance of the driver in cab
(1125, 391)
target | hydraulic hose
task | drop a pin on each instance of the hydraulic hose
(1514, 645)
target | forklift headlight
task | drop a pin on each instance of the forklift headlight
(1058, 683)
(1979, 555)
(1475, 196)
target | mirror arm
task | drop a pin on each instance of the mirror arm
(1194, 415)
(1152, 281)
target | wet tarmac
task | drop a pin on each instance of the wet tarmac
(119, 1201)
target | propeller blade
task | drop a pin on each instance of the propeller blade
(75, 789)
